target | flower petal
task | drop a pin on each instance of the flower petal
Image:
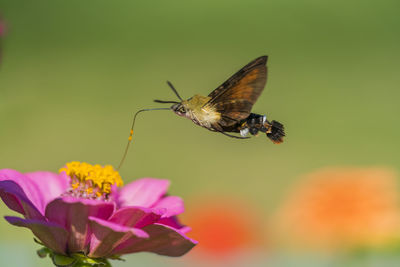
(135, 216)
(163, 240)
(52, 235)
(73, 214)
(172, 204)
(143, 192)
(27, 185)
(15, 198)
(107, 235)
(39, 187)
(175, 223)
(50, 185)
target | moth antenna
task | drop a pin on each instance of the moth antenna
(165, 102)
(173, 89)
(131, 133)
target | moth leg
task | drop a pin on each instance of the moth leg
(219, 129)
(234, 136)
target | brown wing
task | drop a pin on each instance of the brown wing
(235, 97)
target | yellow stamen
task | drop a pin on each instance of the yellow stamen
(75, 185)
(92, 181)
(89, 190)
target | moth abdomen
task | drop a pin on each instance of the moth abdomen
(256, 123)
(277, 132)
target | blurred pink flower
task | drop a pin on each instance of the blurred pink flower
(81, 211)
(342, 207)
(225, 227)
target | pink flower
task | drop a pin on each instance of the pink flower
(81, 211)
(225, 233)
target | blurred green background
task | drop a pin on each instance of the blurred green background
(74, 72)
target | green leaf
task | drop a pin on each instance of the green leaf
(63, 261)
(37, 241)
(43, 252)
(74, 260)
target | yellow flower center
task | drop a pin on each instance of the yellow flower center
(91, 181)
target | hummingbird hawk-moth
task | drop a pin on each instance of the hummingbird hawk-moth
(228, 108)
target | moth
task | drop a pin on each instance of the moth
(227, 109)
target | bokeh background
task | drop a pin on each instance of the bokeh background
(74, 72)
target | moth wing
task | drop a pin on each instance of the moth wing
(236, 96)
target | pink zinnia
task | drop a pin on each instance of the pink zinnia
(80, 213)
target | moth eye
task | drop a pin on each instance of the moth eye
(182, 110)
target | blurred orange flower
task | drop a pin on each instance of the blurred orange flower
(341, 207)
(223, 227)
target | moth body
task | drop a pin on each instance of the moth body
(256, 123)
(228, 108)
(195, 109)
